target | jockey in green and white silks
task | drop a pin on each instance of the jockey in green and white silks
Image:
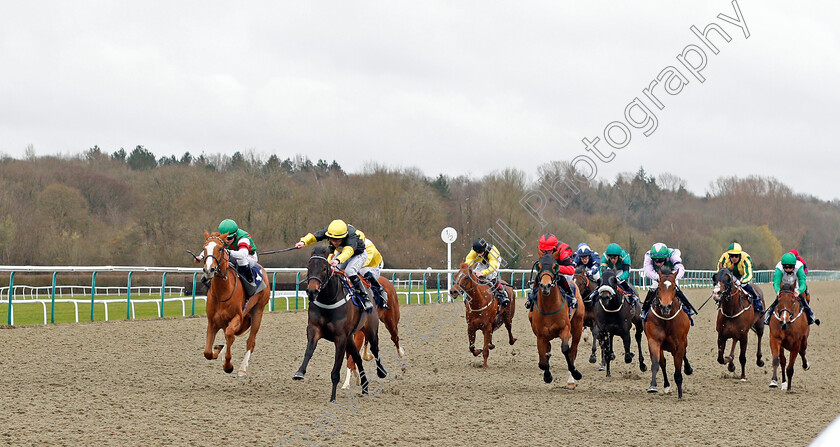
(788, 270)
(243, 250)
(618, 259)
(658, 256)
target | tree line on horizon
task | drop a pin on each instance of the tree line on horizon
(138, 209)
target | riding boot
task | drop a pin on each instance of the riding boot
(686, 303)
(808, 312)
(532, 297)
(567, 291)
(500, 294)
(770, 311)
(648, 301)
(246, 272)
(754, 297)
(360, 291)
(377, 290)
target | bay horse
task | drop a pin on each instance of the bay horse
(391, 318)
(226, 308)
(735, 318)
(614, 315)
(333, 316)
(550, 319)
(482, 309)
(789, 331)
(666, 329)
(586, 286)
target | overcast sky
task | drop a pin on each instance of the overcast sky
(447, 87)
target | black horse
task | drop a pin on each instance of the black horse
(614, 315)
(333, 316)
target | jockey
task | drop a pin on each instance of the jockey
(591, 260)
(658, 256)
(619, 260)
(484, 259)
(799, 258)
(740, 264)
(561, 252)
(243, 250)
(349, 253)
(371, 272)
(788, 269)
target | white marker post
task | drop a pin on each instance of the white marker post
(449, 235)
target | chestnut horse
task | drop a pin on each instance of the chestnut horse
(334, 317)
(226, 308)
(614, 315)
(482, 309)
(735, 318)
(586, 286)
(391, 318)
(667, 330)
(788, 331)
(550, 319)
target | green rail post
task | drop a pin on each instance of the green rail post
(162, 291)
(424, 287)
(92, 293)
(52, 303)
(408, 298)
(11, 295)
(523, 285)
(273, 286)
(438, 286)
(128, 297)
(297, 289)
(195, 276)
(511, 283)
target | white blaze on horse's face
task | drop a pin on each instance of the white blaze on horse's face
(208, 253)
(668, 284)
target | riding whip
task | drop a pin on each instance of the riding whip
(704, 302)
(276, 251)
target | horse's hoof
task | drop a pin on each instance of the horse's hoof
(806, 366)
(785, 386)
(602, 368)
(721, 361)
(381, 371)
(512, 341)
(628, 357)
(774, 384)
(731, 367)
(577, 375)
(547, 356)
(298, 376)
(688, 370)
(242, 374)
(401, 352)
(759, 363)
(229, 370)
(571, 386)
(592, 358)
(743, 379)
(547, 376)
(612, 356)
(667, 390)
(491, 346)
(642, 367)
(652, 390)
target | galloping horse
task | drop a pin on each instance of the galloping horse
(391, 318)
(586, 286)
(482, 309)
(332, 318)
(615, 316)
(550, 319)
(226, 307)
(735, 318)
(667, 330)
(788, 331)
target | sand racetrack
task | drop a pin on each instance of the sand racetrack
(147, 383)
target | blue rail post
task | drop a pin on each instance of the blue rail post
(128, 297)
(408, 298)
(195, 276)
(297, 289)
(92, 293)
(162, 291)
(11, 295)
(273, 286)
(52, 303)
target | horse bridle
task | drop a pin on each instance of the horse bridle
(217, 271)
(727, 294)
(780, 310)
(321, 282)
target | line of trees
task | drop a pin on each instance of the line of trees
(138, 209)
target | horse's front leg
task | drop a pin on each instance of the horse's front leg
(594, 328)
(731, 359)
(743, 357)
(256, 320)
(340, 352)
(775, 348)
(639, 331)
(471, 336)
(230, 336)
(791, 363)
(759, 331)
(721, 342)
(628, 354)
(353, 352)
(488, 341)
(209, 352)
(655, 353)
(679, 353)
(312, 337)
(542, 350)
(565, 347)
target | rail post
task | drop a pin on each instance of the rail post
(162, 292)
(273, 286)
(92, 293)
(128, 297)
(52, 299)
(297, 289)
(195, 276)
(11, 297)
(408, 298)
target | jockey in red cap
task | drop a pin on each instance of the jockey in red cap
(562, 253)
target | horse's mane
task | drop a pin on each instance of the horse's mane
(722, 276)
(320, 250)
(608, 278)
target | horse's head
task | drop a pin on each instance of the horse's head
(667, 289)
(214, 254)
(608, 287)
(318, 271)
(580, 269)
(787, 304)
(722, 281)
(547, 274)
(463, 282)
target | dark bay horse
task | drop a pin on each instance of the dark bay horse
(226, 307)
(614, 315)
(735, 318)
(333, 316)
(391, 318)
(789, 331)
(586, 286)
(667, 330)
(550, 319)
(482, 309)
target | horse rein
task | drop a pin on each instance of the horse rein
(217, 272)
(781, 310)
(728, 294)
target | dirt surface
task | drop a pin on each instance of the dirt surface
(147, 383)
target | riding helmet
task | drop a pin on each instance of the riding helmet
(337, 229)
(228, 226)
